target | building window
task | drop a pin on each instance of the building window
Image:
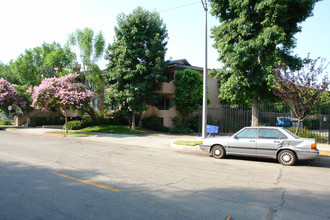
(169, 77)
(164, 104)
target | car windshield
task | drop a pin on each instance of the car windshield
(292, 134)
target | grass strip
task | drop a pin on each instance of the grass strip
(187, 143)
(11, 127)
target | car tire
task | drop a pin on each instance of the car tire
(218, 152)
(287, 157)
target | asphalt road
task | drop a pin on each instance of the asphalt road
(44, 177)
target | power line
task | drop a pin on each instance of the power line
(182, 6)
(170, 9)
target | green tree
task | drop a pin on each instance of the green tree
(6, 73)
(137, 60)
(188, 91)
(40, 62)
(253, 37)
(90, 49)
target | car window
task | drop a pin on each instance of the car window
(281, 135)
(292, 134)
(247, 133)
(268, 133)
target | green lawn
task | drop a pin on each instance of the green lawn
(11, 127)
(70, 133)
(114, 129)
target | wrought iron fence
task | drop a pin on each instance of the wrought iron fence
(231, 118)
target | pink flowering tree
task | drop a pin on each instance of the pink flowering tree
(64, 92)
(8, 97)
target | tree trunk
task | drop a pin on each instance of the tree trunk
(298, 126)
(101, 100)
(255, 111)
(133, 121)
(91, 112)
(141, 118)
(66, 119)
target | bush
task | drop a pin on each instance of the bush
(153, 123)
(40, 121)
(74, 125)
(87, 121)
(118, 118)
(4, 122)
(305, 133)
(56, 121)
(37, 121)
(181, 126)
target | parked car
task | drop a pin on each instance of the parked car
(267, 142)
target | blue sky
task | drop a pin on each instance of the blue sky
(27, 24)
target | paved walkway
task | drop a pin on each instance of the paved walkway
(154, 140)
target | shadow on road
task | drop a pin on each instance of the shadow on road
(29, 192)
(323, 162)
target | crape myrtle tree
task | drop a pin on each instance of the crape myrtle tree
(302, 90)
(8, 97)
(188, 91)
(253, 37)
(136, 61)
(31, 67)
(64, 92)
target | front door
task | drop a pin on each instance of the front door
(244, 142)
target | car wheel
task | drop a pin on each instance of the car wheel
(287, 157)
(218, 152)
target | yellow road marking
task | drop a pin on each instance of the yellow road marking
(87, 182)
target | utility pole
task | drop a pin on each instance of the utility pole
(204, 121)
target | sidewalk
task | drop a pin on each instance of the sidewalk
(145, 140)
(154, 140)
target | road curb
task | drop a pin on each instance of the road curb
(183, 147)
(54, 135)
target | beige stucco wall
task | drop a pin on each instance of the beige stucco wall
(167, 115)
(168, 90)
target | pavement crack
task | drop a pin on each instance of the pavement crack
(273, 210)
(178, 181)
(278, 179)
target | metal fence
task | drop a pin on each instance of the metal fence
(231, 118)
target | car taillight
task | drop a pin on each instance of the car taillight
(313, 146)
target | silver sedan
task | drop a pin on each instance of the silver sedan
(268, 142)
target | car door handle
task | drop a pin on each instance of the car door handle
(277, 142)
(252, 141)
